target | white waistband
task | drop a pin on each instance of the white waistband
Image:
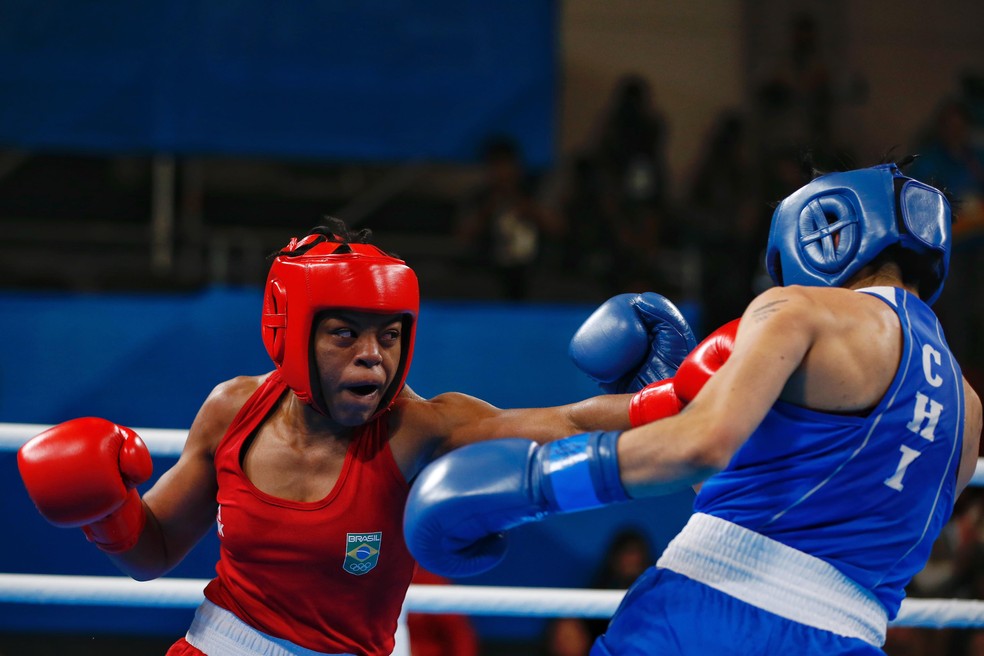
(217, 632)
(774, 577)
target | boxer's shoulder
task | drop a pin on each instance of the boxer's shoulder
(220, 409)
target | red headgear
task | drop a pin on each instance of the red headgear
(317, 274)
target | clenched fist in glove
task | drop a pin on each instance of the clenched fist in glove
(632, 340)
(83, 473)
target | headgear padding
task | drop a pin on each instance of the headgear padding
(828, 230)
(316, 274)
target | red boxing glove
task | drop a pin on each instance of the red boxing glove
(704, 361)
(654, 401)
(668, 397)
(83, 473)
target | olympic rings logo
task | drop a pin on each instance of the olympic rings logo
(360, 568)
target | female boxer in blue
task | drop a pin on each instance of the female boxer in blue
(831, 444)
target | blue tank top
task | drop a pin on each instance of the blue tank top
(869, 495)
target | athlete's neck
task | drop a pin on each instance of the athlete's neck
(309, 426)
(887, 275)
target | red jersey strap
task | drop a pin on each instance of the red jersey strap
(257, 407)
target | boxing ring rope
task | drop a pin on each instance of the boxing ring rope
(166, 442)
(463, 599)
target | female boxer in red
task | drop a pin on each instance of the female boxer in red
(304, 471)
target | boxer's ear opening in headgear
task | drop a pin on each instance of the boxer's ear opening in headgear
(326, 271)
(275, 319)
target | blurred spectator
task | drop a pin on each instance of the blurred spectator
(955, 570)
(505, 224)
(630, 151)
(975, 643)
(909, 641)
(566, 636)
(433, 634)
(783, 172)
(972, 92)
(795, 98)
(627, 557)
(950, 159)
(725, 209)
(590, 244)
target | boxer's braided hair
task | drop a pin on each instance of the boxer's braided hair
(333, 229)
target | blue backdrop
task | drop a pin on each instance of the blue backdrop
(149, 361)
(390, 80)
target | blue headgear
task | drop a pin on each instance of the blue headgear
(868, 210)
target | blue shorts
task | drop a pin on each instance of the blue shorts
(667, 613)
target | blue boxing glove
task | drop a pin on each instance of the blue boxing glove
(631, 341)
(460, 503)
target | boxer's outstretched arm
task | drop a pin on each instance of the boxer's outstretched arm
(431, 428)
(181, 506)
(476, 420)
(461, 503)
(84, 473)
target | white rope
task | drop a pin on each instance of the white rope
(464, 599)
(160, 441)
(513, 602)
(939, 613)
(170, 441)
(100, 591)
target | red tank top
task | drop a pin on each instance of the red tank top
(328, 575)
